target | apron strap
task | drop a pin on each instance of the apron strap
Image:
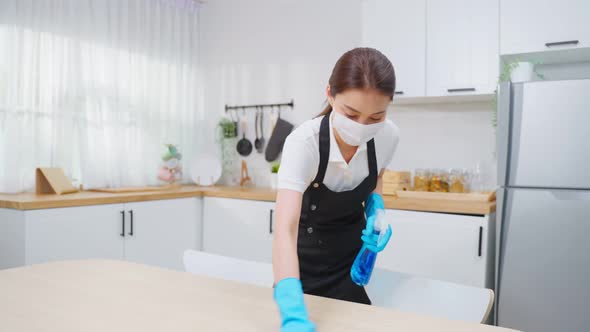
(372, 158)
(324, 149)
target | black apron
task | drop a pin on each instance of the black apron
(330, 229)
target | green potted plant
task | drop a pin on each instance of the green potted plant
(227, 140)
(228, 128)
(274, 173)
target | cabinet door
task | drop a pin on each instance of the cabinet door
(462, 47)
(529, 25)
(158, 232)
(238, 228)
(74, 233)
(398, 29)
(439, 246)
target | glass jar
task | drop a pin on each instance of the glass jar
(485, 174)
(439, 181)
(421, 180)
(457, 181)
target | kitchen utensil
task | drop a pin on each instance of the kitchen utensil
(244, 177)
(257, 142)
(205, 170)
(244, 146)
(260, 149)
(277, 139)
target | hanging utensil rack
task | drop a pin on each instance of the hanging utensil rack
(259, 106)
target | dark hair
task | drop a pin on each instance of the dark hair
(361, 68)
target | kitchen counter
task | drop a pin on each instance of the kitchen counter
(103, 295)
(32, 201)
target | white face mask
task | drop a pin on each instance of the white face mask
(352, 132)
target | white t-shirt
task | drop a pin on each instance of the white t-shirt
(301, 158)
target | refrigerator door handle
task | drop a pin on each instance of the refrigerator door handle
(503, 131)
(571, 195)
(479, 241)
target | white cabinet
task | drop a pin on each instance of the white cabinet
(450, 247)
(162, 231)
(398, 29)
(456, 248)
(438, 48)
(541, 25)
(151, 232)
(73, 233)
(238, 228)
(462, 47)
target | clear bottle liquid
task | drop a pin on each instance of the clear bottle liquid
(363, 265)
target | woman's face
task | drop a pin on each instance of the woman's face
(365, 106)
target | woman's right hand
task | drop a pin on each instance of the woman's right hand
(288, 295)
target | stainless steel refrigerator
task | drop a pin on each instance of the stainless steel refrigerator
(543, 235)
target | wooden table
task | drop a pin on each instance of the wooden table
(101, 295)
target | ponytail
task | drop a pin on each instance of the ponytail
(327, 110)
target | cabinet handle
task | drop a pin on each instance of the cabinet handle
(398, 93)
(479, 246)
(122, 224)
(131, 217)
(270, 221)
(461, 90)
(566, 42)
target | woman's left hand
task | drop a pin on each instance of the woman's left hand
(373, 206)
(373, 241)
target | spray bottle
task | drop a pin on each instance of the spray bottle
(365, 260)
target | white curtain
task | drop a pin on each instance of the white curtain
(97, 87)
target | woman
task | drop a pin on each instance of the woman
(330, 166)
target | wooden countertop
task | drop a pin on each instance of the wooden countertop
(439, 205)
(32, 201)
(101, 295)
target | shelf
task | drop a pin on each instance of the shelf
(468, 98)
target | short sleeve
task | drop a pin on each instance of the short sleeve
(298, 164)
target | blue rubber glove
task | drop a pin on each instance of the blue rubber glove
(374, 205)
(372, 240)
(288, 295)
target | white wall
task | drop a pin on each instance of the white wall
(443, 136)
(266, 51)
